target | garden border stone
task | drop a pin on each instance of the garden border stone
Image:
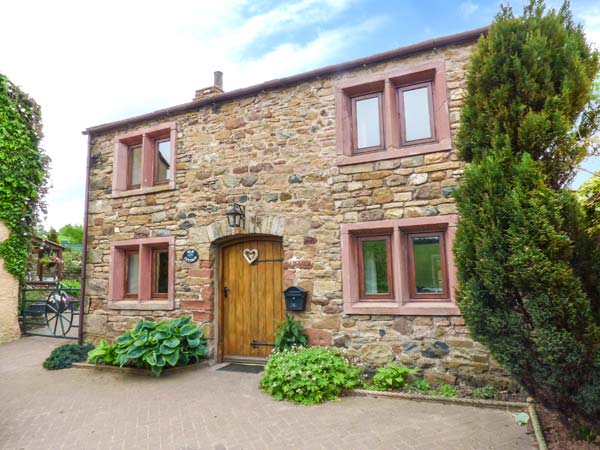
(138, 371)
(529, 406)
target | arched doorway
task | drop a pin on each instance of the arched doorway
(251, 296)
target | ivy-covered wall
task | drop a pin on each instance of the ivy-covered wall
(23, 173)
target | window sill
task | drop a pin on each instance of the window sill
(405, 309)
(142, 305)
(145, 190)
(392, 153)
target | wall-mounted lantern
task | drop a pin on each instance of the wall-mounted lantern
(236, 216)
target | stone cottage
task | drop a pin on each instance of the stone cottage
(344, 175)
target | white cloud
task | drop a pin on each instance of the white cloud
(89, 63)
(468, 8)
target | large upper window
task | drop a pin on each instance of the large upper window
(401, 266)
(145, 161)
(367, 113)
(392, 114)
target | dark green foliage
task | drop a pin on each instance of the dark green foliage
(308, 376)
(391, 377)
(289, 334)
(23, 179)
(155, 345)
(527, 265)
(64, 356)
(487, 391)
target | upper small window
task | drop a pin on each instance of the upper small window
(367, 113)
(427, 266)
(163, 160)
(416, 114)
(375, 271)
(145, 161)
(135, 167)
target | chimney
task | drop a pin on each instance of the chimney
(211, 91)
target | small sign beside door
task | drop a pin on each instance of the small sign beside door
(190, 255)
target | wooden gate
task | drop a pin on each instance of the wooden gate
(251, 297)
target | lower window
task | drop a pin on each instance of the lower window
(142, 270)
(402, 266)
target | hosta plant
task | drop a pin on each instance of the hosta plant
(308, 376)
(156, 345)
(104, 353)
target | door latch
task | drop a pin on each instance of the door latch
(225, 292)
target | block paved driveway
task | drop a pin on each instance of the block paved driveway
(206, 409)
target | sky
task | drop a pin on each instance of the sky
(88, 63)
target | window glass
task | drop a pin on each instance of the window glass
(135, 165)
(375, 270)
(161, 272)
(163, 160)
(367, 123)
(133, 271)
(428, 265)
(416, 114)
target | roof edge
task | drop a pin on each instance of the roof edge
(452, 39)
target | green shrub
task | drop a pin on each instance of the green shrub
(527, 263)
(445, 390)
(391, 378)
(289, 334)
(487, 391)
(422, 386)
(155, 345)
(65, 355)
(308, 376)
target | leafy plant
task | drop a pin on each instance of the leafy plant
(104, 353)
(391, 377)
(289, 334)
(487, 391)
(309, 375)
(521, 418)
(445, 390)
(64, 356)
(155, 345)
(586, 433)
(422, 386)
(528, 265)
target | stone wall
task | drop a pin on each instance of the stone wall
(275, 153)
(9, 299)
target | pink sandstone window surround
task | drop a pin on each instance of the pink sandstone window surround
(414, 291)
(411, 97)
(147, 288)
(145, 160)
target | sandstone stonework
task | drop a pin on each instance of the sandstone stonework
(9, 299)
(275, 153)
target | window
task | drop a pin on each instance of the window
(375, 271)
(142, 274)
(144, 161)
(416, 114)
(163, 161)
(402, 266)
(427, 265)
(392, 115)
(367, 113)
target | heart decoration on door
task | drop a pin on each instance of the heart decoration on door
(250, 255)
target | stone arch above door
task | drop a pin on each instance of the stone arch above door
(265, 225)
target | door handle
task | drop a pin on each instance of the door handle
(225, 292)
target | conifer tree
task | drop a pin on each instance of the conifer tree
(527, 265)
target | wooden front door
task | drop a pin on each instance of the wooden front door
(251, 297)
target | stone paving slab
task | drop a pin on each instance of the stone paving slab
(209, 409)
